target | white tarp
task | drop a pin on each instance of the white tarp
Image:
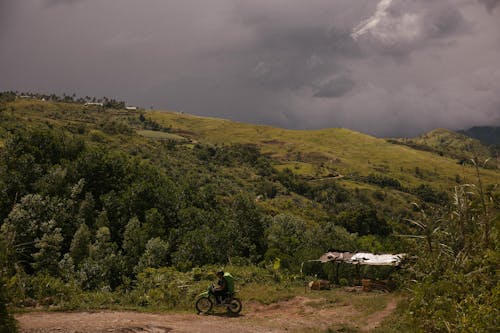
(363, 258)
(377, 259)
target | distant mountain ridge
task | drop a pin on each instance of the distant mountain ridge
(489, 135)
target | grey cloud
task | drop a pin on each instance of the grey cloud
(285, 63)
(51, 3)
(7, 9)
(445, 21)
(336, 87)
(410, 109)
(490, 4)
(402, 26)
(291, 49)
(292, 59)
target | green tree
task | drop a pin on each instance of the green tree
(86, 210)
(102, 170)
(53, 182)
(49, 250)
(154, 224)
(102, 219)
(364, 221)
(67, 269)
(290, 239)
(134, 243)
(26, 223)
(79, 248)
(242, 233)
(151, 188)
(104, 266)
(196, 241)
(155, 255)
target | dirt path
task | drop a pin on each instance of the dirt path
(377, 318)
(295, 315)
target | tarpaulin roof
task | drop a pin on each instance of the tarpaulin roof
(363, 258)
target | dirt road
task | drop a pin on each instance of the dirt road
(295, 315)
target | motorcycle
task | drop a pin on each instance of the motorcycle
(206, 301)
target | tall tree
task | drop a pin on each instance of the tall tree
(79, 248)
(134, 243)
(49, 249)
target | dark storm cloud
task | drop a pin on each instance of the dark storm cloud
(293, 58)
(293, 46)
(412, 65)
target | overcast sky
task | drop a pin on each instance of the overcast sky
(383, 67)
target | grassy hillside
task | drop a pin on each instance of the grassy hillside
(355, 160)
(338, 151)
(451, 144)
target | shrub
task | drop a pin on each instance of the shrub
(456, 287)
(7, 322)
(383, 181)
(48, 290)
(429, 194)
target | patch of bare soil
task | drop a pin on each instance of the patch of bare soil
(294, 315)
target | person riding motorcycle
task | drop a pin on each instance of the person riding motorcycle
(224, 288)
(220, 293)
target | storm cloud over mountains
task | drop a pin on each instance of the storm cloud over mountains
(387, 67)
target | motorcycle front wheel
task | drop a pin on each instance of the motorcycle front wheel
(235, 306)
(204, 305)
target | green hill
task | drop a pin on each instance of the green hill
(451, 144)
(349, 158)
(318, 153)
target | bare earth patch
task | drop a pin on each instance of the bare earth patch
(295, 315)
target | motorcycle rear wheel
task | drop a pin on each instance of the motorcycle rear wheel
(204, 305)
(235, 306)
